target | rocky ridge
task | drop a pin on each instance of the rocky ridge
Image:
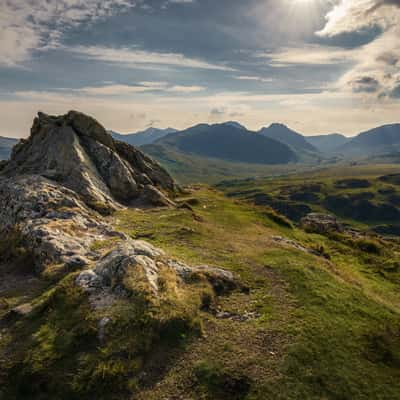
(53, 191)
(104, 303)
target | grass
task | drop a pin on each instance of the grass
(320, 191)
(329, 328)
(321, 326)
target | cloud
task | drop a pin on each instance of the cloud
(353, 15)
(366, 84)
(377, 67)
(309, 55)
(39, 24)
(135, 58)
(344, 112)
(254, 78)
(185, 89)
(119, 90)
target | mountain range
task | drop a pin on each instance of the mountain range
(327, 143)
(283, 134)
(275, 144)
(377, 141)
(141, 138)
(6, 144)
(228, 142)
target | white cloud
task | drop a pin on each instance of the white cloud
(336, 111)
(114, 90)
(122, 90)
(253, 78)
(185, 89)
(140, 58)
(377, 68)
(39, 24)
(310, 55)
(353, 15)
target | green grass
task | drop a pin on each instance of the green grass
(323, 327)
(284, 189)
(332, 325)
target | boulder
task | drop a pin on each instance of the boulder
(321, 223)
(75, 151)
(135, 267)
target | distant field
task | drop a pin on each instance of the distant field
(356, 194)
(191, 168)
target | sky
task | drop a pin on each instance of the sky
(319, 66)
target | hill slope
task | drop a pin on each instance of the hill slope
(228, 142)
(141, 138)
(327, 143)
(377, 141)
(289, 137)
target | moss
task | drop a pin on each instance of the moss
(323, 329)
(101, 207)
(219, 383)
(103, 245)
(13, 250)
(60, 338)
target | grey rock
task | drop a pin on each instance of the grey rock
(130, 263)
(50, 190)
(291, 243)
(22, 310)
(155, 197)
(75, 151)
(102, 328)
(321, 223)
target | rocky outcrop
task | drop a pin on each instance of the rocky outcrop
(51, 190)
(76, 152)
(321, 223)
(136, 268)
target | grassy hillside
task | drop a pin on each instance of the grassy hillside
(319, 317)
(189, 168)
(321, 326)
(358, 194)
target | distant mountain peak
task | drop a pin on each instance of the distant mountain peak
(147, 136)
(279, 125)
(285, 135)
(228, 142)
(376, 141)
(328, 143)
(235, 124)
